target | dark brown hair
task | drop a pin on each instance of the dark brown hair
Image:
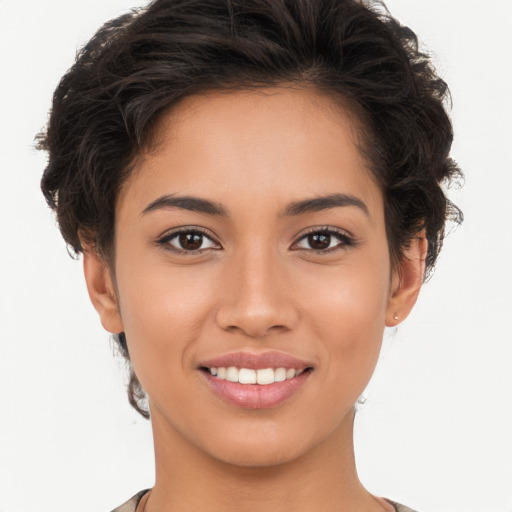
(137, 66)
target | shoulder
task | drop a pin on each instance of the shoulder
(131, 504)
(399, 507)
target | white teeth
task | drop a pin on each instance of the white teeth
(265, 376)
(232, 374)
(246, 376)
(281, 373)
(262, 376)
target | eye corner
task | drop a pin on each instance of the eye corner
(165, 241)
(345, 240)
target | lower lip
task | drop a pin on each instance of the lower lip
(256, 396)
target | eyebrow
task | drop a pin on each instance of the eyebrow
(316, 204)
(195, 204)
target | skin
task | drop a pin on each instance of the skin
(254, 285)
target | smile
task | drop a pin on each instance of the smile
(263, 377)
(255, 381)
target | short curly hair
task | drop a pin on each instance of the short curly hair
(106, 107)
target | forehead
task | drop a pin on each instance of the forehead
(282, 143)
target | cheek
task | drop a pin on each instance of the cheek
(163, 313)
(349, 318)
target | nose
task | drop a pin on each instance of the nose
(255, 300)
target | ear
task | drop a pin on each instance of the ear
(101, 290)
(407, 280)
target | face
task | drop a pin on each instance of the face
(252, 275)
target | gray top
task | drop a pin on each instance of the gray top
(131, 504)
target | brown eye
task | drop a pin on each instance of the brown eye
(324, 241)
(190, 241)
(319, 241)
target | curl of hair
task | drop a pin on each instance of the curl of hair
(136, 394)
(137, 66)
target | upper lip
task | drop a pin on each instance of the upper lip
(256, 361)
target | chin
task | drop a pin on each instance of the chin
(266, 448)
(260, 456)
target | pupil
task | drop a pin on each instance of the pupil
(319, 241)
(191, 241)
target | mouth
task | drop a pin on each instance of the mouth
(249, 376)
(256, 381)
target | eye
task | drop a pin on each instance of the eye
(324, 240)
(187, 240)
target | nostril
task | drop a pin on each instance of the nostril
(256, 318)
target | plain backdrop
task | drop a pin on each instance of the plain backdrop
(436, 429)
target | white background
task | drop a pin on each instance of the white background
(436, 430)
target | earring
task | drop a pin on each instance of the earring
(395, 317)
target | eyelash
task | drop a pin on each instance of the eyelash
(165, 240)
(345, 240)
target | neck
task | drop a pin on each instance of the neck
(324, 479)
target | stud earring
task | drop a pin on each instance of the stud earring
(395, 317)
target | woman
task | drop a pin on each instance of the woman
(255, 188)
